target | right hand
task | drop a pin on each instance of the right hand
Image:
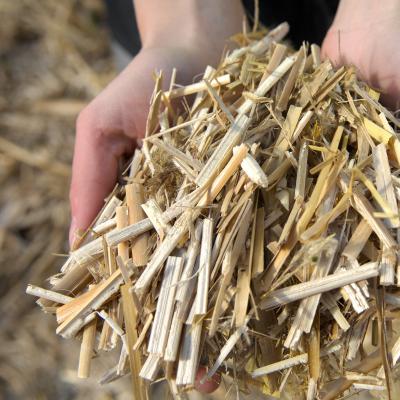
(185, 34)
(110, 125)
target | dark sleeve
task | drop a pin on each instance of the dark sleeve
(122, 23)
(309, 19)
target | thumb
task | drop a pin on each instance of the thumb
(94, 170)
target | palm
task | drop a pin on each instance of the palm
(111, 123)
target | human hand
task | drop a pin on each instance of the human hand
(182, 34)
(185, 34)
(110, 126)
(366, 34)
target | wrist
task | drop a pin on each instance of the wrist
(188, 59)
(362, 14)
(204, 25)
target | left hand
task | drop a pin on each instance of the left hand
(366, 34)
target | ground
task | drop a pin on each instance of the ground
(54, 57)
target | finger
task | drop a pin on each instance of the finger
(330, 49)
(94, 171)
(208, 386)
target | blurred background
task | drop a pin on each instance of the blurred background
(54, 57)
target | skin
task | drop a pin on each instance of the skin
(208, 386)
(366, 34)
(188, 35)
(185, 34)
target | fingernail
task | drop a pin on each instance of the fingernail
(209, 385)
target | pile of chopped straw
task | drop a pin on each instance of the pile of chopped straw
(256, 233)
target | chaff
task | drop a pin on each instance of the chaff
(272, 206)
